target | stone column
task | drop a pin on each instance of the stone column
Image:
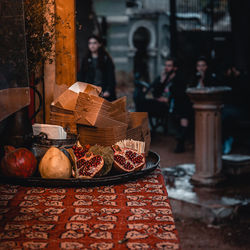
(207, 103)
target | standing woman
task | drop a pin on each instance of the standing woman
(98, 68)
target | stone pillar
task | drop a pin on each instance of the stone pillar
(207, 103)
(152, 62)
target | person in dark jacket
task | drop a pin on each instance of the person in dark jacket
(236, 106)
(171, 87)
(98, 68)
(203, 76)
(169, 91)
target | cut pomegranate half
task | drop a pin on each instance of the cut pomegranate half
(127, 160)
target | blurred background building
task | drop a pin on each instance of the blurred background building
(140, 34)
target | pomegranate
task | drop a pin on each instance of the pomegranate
(89, 166)
(18, 162)
(127, 160)
(80, 151)
(107, 154)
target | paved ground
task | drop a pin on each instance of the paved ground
(194, 234)
(164, 145)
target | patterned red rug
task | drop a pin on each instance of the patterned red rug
(134, 215)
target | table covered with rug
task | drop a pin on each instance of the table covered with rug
(131, 215)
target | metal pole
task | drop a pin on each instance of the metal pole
(212, 51)
(173, 28)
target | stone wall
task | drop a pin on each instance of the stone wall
(122, 23)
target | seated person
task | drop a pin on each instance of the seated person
(169, 92)
(203, 77)
(140, 91)
(236, 107)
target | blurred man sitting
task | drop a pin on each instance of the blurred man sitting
(169, 92)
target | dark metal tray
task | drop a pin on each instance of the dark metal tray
(152, 162)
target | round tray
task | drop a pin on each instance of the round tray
(152, 162)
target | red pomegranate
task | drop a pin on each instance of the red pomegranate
(80, 151)
(89, 166)
(127, 160)
(18, 162)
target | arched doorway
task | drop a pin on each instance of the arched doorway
(141, 40)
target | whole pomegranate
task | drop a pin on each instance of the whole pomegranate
(18, 162)
(127, 160)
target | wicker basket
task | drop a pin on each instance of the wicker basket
(106, 132)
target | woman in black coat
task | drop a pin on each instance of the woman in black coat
(98, 68)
